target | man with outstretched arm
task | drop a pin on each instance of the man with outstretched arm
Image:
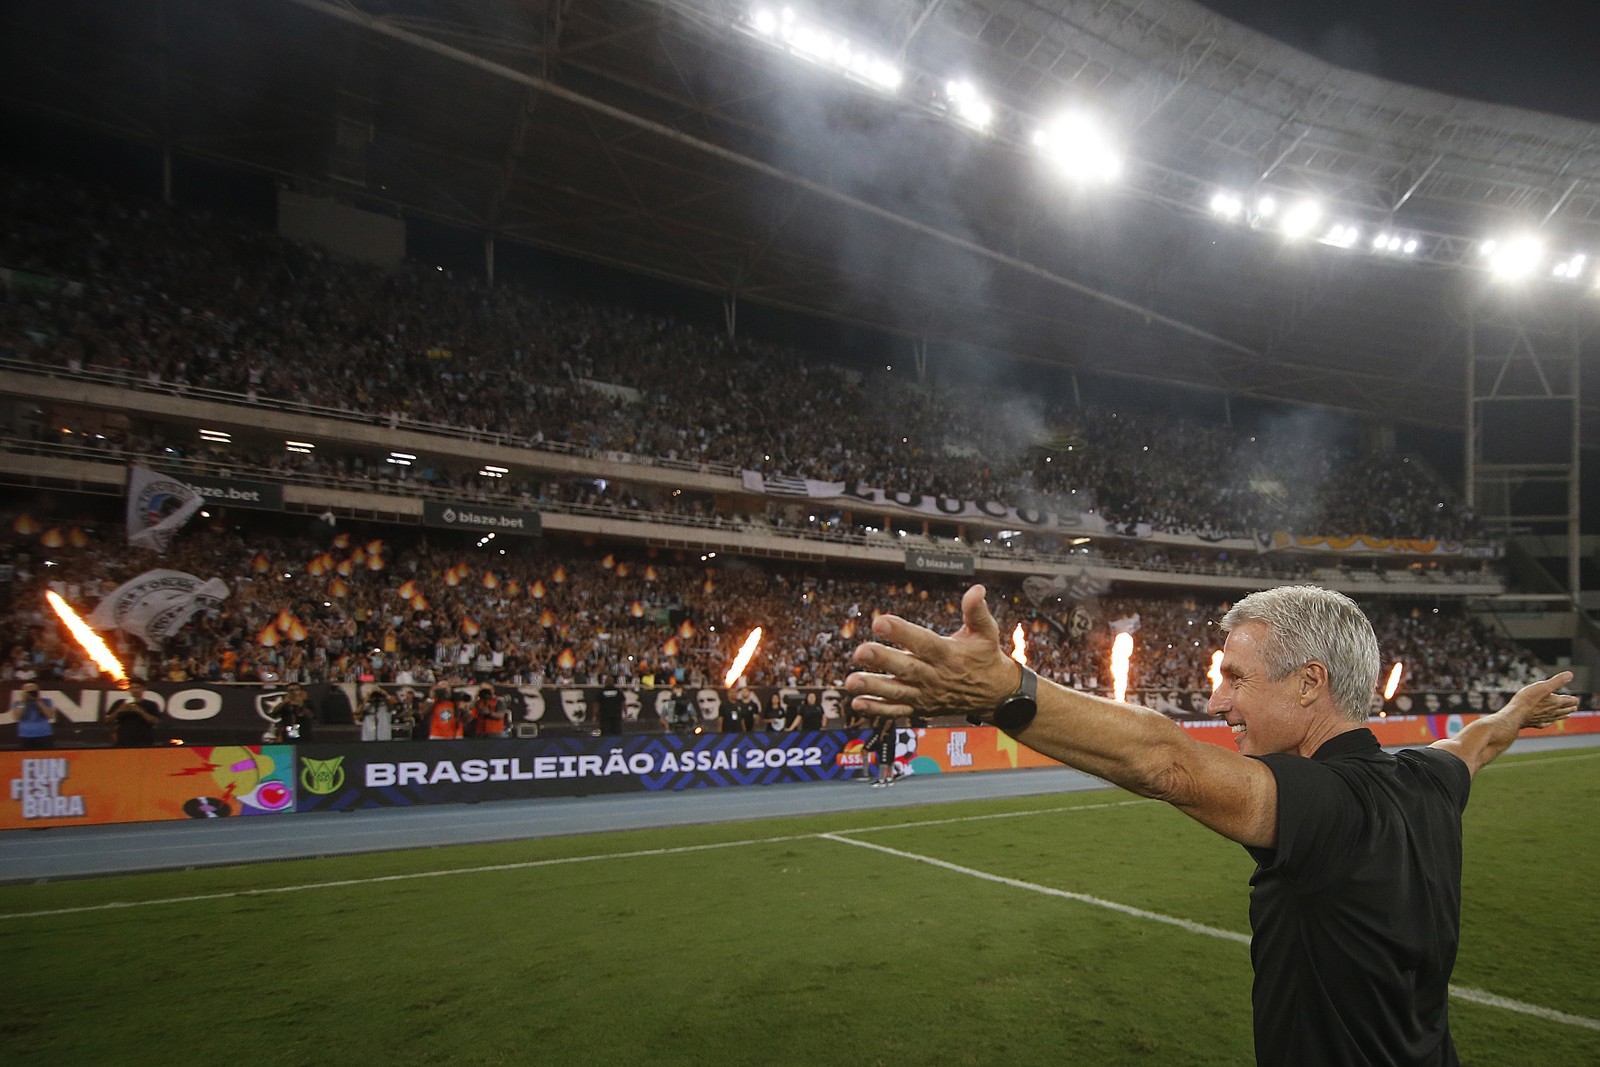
(1355, 903)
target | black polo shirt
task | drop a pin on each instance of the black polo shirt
(1357, 910)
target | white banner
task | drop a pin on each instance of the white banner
(153, 606)
(158, 507)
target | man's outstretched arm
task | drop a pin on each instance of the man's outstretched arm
(1138, 749)
(1536, 705)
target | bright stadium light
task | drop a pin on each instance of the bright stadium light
(1266, 207)
(1570, 269)
(1341, 235)
(1227, 205)
(1301, 218)
(822, 46)
(1514, 258)
(1074, 142)
(968, 105)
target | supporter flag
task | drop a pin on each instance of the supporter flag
(261, 564)
(636, 609)
(284, 620)
(408, 589)
(53, 538)
(77, 538)
(566, 661)
(341, 541)
(490, 580)
(1129, 625)
(537, 592)
(547, 618)
(686, 631)
(623, 570)
(296, 631)
(345, 568)
(650, 572)
(25, 525)
(512, 588)
(158, 507)
(156, 604)
(670, 648)
(339, 588)
(470, 627)
(609, 562)
(560, 575)
(268, 637)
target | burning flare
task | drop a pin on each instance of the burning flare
(1393, 684)
(1019, 645)
(1215, 673)
(1121, 660)
(87, 638)
(742, 660)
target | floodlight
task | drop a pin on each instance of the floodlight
(1570, 269)
(1076, 144)
(1266, 207)
(967, 104)
(1515, 258)
(1226, 205)
(764, 21)
(1340, 235)
(1410, 247)
(1301, 219)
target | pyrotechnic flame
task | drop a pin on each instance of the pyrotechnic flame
(1393, 684)
(1019, 645)
(1121, 659)
(87, 638)
(1215, 673)
(742, 660)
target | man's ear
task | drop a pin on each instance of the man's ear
(1313, 682)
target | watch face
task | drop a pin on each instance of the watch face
(1015, 712)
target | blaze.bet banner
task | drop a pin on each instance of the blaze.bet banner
(400, 773)
(75, 787)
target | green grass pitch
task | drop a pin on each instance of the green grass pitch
(767, 943)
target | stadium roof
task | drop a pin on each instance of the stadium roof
(668, 139)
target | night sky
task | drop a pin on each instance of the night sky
(1536, 54)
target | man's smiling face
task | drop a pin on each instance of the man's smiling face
(1266, 716)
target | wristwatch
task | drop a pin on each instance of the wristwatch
(1017, 709)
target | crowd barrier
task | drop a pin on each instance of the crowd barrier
(68, 787)
(239, 713)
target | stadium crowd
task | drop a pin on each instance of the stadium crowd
(173, 299)
(349, 606)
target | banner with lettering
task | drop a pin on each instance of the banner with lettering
(403, 773)
(80, 787)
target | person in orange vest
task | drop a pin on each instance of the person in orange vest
(486, 718)
(444, 718)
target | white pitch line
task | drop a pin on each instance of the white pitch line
(530, 864)
(1540, 762)
(1476, 996)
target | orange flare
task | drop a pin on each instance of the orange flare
(1392, 686)
(746, 652)
(1215, 673)
(566, 661)
(1019, 645)
(87, 638)
(559, 576)
(1121, 661)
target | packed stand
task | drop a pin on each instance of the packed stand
(365, 607)
(178, 300)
